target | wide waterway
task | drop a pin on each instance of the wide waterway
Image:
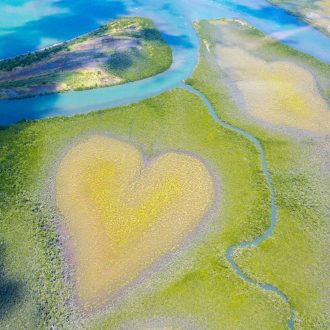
(27, 25)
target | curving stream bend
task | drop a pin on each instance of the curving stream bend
(231, 250)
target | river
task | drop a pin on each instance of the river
(26, 25)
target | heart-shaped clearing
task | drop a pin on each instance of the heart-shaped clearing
(122, 214)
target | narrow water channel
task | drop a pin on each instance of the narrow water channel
(273, 218)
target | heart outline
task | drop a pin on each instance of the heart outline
(160, 264)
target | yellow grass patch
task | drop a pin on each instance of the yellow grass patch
(280, 93)
(122, 214)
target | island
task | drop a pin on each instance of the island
(126, 49)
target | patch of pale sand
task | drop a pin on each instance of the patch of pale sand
(122, 214)
(162, 323)
(319, 10)
(280, 93)
(231, 34)
(89, 76)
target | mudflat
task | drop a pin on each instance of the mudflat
(277, 92)
(123, 213)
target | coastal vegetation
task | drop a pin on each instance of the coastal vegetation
(270, 86)
(295, 258)
(176, 120)
(56, 172)
(126, 49)
(30, 58)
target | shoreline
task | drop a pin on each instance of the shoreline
(303, 18)
(124, 50)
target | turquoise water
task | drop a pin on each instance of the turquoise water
(27, 25)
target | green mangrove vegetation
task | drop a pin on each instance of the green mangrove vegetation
(295, 259)
(197, 285)
(126, 49)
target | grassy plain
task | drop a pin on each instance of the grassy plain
(196, 285)
(295, 259)
(123, 50)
